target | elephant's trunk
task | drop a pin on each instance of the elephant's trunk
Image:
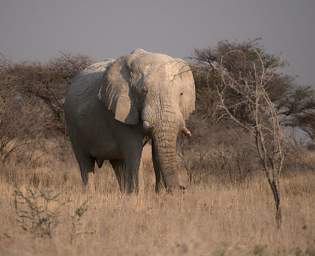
(165, 157)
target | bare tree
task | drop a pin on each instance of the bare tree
(258, 115)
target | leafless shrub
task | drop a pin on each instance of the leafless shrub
(37, 211)
(31, 101)
(218, 152)
(47, 83)
(298, 157)
(76, 222)
(261, 120)
(307, 119)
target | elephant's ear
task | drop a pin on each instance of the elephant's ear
(116, 93)
(187, 88)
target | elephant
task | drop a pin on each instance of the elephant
(112, 106)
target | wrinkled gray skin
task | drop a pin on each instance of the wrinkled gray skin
(113, 105)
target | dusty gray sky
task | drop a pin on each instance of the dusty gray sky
(39, 29)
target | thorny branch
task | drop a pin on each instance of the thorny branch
(263, 121)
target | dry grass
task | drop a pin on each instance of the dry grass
(213, 219)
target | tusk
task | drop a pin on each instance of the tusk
(146, 125)
(186, 132)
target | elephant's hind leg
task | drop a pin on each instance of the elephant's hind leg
(87, 165)
(85, 169)
(124, 176)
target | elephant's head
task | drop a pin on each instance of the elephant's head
(157, 91)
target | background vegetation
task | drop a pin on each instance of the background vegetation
(227, 209)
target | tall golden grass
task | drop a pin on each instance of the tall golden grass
(215, 218)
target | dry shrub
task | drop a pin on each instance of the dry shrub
(299, 158)
(218, 152)
(31, 101)
(37, 211)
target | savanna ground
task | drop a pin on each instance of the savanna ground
(210, 218)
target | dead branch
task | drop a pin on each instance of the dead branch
(262, 122)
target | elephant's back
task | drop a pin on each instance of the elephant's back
(87, 80)
(98, 67)
(84, 87)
